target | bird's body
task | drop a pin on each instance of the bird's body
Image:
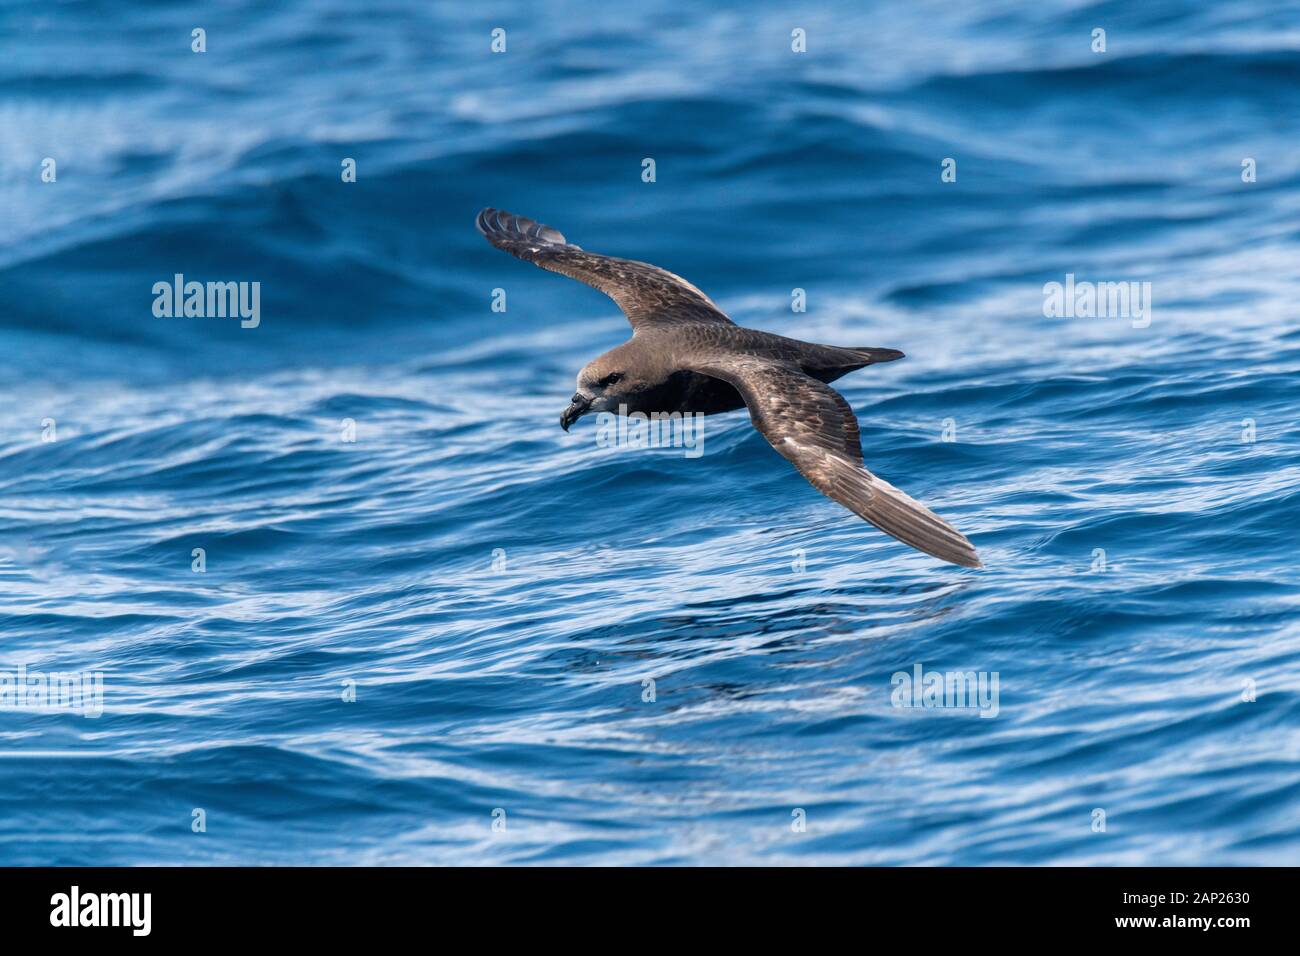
(686, 355)
(663, 356)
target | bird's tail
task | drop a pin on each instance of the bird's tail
(876, 356)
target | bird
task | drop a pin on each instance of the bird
(686, 355)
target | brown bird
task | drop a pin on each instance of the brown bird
(686, 356)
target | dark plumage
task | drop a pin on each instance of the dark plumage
(685, 355)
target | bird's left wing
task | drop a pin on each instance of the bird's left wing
(648, 295)
(812, 425)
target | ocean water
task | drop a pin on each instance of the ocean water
(435, 644)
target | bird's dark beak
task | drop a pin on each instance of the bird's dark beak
(577, 407)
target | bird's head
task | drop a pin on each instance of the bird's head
(603, 384)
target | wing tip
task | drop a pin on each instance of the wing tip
(905, 519)
(481, 220)
(498, 224)
(960, 552)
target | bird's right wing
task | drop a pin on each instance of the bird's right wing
(648, 295)
(811, 424)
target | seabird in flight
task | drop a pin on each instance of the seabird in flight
(685, 356)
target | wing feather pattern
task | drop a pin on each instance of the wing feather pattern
(812, 425)
(648, 295)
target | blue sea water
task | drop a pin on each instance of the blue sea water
(497, 594)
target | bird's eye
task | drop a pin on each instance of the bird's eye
(610, 379)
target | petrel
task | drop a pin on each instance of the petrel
(686, 355)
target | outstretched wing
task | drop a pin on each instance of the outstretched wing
(812, 425)
(647, 294)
